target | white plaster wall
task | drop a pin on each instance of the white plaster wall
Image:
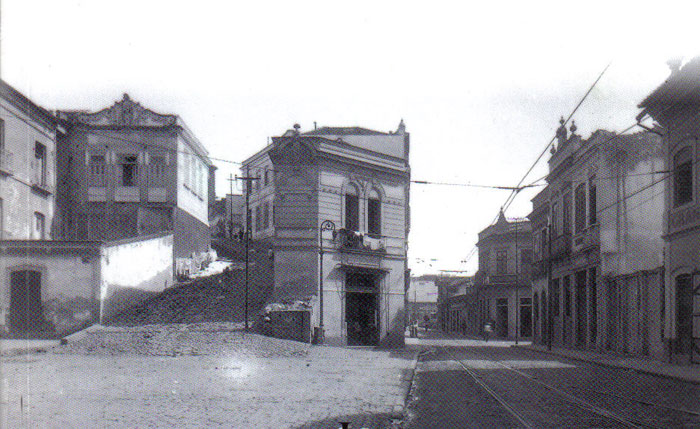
(19, 202)
(192, 194)
(146, 265)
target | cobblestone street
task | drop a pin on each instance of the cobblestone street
(256, 382)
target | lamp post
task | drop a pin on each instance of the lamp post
(326, 225)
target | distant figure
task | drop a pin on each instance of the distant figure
(488, 328)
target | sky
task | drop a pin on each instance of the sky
(480, 87)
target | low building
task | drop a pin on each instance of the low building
(598, 260)
(126, 171)
(27, 167)
(422, 297)
(342, 191)
(49, 289)
(675, 106)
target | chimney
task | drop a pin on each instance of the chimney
(314, 125)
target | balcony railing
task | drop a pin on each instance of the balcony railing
(586, 239)
(352, 240)
(6, 162)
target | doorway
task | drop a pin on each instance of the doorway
(525, 317)
(26, 314)
(581, 310)
(362, 309)
(502, 317)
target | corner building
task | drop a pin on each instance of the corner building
(359, 180)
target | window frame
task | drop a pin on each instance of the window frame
(351, 200)
(374, 214)
(679, 167)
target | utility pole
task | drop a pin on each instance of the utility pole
(248, 180)
(230, 201)
(549, 283)
(517, 287)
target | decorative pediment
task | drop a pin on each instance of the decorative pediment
(127, 113)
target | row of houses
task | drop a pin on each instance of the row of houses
(612, 257)
(98, 210)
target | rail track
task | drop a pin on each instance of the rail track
(570, 395)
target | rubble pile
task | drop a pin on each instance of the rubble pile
(217, 298)
(201, 339)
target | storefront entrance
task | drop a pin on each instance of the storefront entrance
(362, 308)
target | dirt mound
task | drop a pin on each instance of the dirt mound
(200, 339)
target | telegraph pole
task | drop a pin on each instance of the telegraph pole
(248, 180)
(230, 201)
(517, 286)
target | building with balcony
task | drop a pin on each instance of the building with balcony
(126, 171)
(354, 181)
(675, 107)
(597, 262)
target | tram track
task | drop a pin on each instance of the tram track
(520, 415)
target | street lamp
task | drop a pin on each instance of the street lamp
(326, 225)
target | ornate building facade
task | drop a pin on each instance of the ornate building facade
(127, 171)
(342, 192)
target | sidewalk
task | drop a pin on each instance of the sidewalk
(690, 373)
(12, 347)
(440, 339)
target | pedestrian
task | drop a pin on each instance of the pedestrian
(488, 328)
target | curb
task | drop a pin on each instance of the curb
(609, 364)
(397, 411)
(26, 351)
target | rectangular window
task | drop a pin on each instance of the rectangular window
(258, 222)
(2, 135)
(555, 298)
(501, 262)
(40, 163)
(266, 216)
(567, 296)
(525, 259)
(39, 226)
(683, 177)
(592, 202)
(484, 261)
(374, 223)
(129, 169)
(555, 218)
(566, 214)
(352, 212)
(580, 196)
(544, 244)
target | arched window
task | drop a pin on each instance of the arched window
(352, 208)
(374, 213)
(683, 177)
